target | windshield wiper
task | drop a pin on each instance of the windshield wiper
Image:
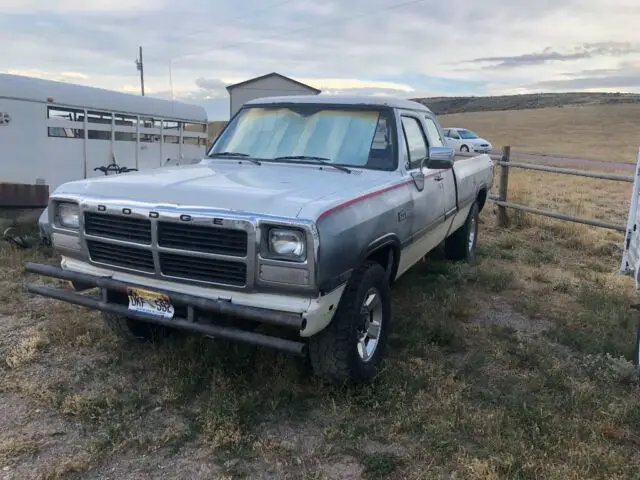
(235, 154)
(310, 158)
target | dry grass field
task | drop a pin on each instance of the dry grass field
(604, 132)
(516, 366)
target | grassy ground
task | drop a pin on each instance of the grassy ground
(514, 367)
(603, 132)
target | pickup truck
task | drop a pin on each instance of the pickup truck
(289, 234)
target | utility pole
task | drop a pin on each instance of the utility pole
(140, 67)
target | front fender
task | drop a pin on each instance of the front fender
(351, 234)
(381, 244)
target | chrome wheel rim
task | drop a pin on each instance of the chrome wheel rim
(472, 235)
(370, 325)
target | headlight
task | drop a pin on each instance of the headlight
(287, 243)
(68, 215)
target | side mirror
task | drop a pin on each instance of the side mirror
(440, 157)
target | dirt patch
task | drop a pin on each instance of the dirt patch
(33, 440)
(499, 312)
(186, 463)
(344, 467)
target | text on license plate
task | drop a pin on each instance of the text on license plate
(144, 301)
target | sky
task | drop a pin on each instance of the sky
(405, 48)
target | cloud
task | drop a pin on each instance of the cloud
(210, 84)
(400, 47)
(74, 75)
(587, 50)
(55, 76)
(208, 88)
(584, 83)
(356, 84)
(625, 77)
(74, 6)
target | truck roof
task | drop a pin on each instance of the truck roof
(73, 95)
(383, 101)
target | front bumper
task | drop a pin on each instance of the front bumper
(293, 322)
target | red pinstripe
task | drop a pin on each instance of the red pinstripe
(371, 195)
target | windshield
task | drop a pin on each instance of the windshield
(295, 133)
(468, 134)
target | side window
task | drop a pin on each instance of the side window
(415, 141)
(454, 134)
(432, 132)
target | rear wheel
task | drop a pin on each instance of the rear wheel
(461, 245)
(352, 347)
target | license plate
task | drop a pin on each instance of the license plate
(144, 301)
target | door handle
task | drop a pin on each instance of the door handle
(438, 178)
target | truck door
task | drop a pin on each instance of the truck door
(448, 183)
(427, 192)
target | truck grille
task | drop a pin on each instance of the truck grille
(199, 238)
(127, 257)
(131, 229)
(203, 269)
(186, 237)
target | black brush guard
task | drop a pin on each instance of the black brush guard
(289, 321)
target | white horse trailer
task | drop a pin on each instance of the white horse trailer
(53, 132)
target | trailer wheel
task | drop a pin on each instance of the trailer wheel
(352, 347)
(135, 330)
(461, 245)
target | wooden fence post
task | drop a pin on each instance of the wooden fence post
(503, 218)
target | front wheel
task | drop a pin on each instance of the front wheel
(464, 148)
(352, 347)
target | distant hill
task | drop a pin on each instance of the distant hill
(446, 105)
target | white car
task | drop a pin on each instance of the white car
(463, 140)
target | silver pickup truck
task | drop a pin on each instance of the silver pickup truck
(289, 234)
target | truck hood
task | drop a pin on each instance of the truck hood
(271, 188)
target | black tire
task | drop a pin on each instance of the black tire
(458, 246)
(334, 353)
(464, 148)
(135, 330)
